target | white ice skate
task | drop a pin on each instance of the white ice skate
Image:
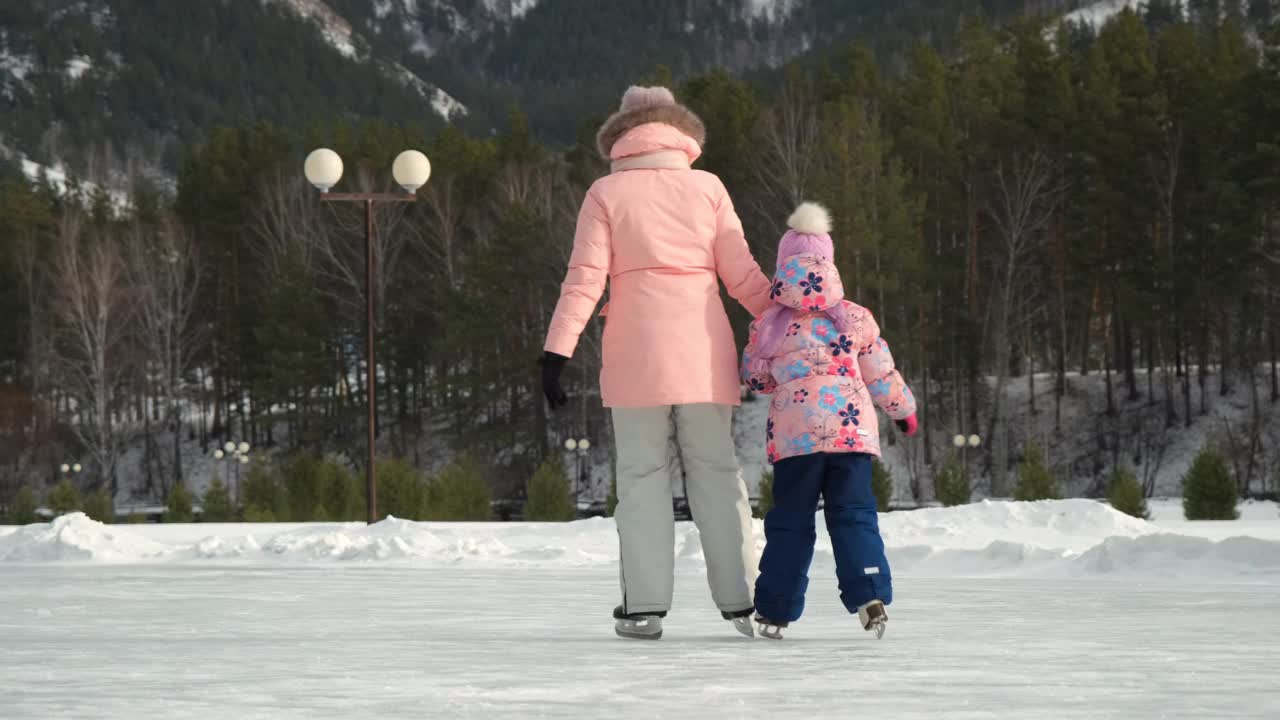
(741, 621)
(770, 629)
(873, 617)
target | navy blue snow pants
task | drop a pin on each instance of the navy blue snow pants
(843, 480)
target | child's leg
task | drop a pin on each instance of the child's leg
(789, 535)
(861, 565)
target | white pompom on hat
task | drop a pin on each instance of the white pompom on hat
(809, 234)
(810, 219)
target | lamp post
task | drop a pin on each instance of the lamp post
(579, 447)
(237, 454)
(963, 444)
(411, 171)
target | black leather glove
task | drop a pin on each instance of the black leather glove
(552, 366)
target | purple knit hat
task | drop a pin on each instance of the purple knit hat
(809, 234)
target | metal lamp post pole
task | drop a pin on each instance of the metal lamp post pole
(411, 171)
(371, 373)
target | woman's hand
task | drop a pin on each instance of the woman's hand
(552, 366)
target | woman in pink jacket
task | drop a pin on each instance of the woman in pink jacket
(662, 236)
(824, 362)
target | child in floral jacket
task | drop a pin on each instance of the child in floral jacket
(824, 362)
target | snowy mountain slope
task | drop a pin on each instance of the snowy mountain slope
(338, 33)
(1097, 14)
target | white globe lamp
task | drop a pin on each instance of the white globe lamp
(958, 441)
(66, 468)
(974, 441)
(217, 454)
(230, 447)
(244, 448)
(584, 444)
(411, 170)
(323, 169)
(244, 459)
(76, 467)
(570, 444)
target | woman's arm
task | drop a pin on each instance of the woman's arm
(585, 281)
(734, 263)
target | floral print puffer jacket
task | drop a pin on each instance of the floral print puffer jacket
(823, 381)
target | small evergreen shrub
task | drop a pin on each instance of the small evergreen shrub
(611, 502)
(1126, 495)
(765, 503)
(255, 514)
(263, 490)
(401, 490)
(549, 498)
(951, 483)
(1035, 479)
(100, 506)
(179, 509)
(1208, 490)
(342, 493)
(65, 498)
(217, 504)
(299, 477)
(22, 508)
(881, 485)
(459, 493)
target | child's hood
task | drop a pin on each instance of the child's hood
(807, 282)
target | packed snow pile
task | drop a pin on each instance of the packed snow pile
(1049, 538)
(76, 537)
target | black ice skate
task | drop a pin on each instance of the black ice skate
(873, 617)
(637, 626)
(771, 629)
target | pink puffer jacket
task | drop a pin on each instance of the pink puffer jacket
(662, 236)
(824, 381)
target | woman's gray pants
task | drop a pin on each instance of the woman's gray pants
(717, 500)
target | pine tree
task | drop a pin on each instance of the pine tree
(22, 507)
(265, 498)
(881, 485)
(549, 498)
(459, 493)
(765, 503)
(951, 483)
(401, 490)
(1035, 479)
(1125, 494)
(99, 506)
(217, 504)
(65, 498)
(1208, 490)
(179, 509)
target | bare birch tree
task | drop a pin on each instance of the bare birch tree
(165, 275)
(1022, 204)
(93, 310)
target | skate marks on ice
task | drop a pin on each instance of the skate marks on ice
(118, 642)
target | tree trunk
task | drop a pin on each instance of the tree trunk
(1106, 364)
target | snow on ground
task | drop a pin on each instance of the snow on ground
(1097, 14)
(1020, 610)
(1064, 538)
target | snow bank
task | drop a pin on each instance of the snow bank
(76, 537)
(1051, 538)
